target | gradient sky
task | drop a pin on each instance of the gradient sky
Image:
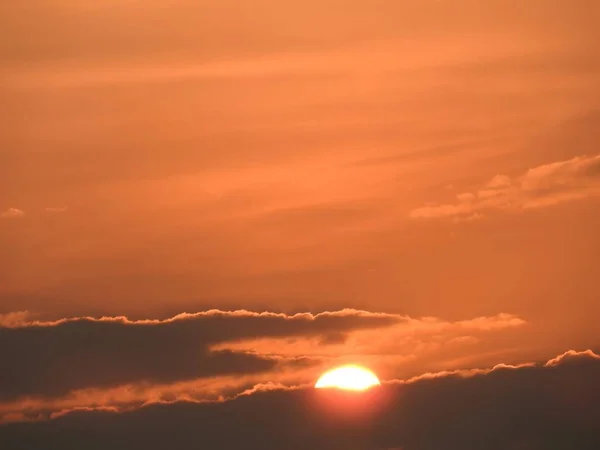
(428, 171)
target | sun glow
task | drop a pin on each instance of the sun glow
(352, 378)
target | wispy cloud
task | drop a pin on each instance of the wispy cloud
(12, 213)
(539, 187)
(409, 337)
(14, 319)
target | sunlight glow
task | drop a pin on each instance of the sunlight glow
(350, 377)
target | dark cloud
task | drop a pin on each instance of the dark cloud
(53, 358)
(528, 407)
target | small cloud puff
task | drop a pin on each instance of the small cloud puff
(12, 213)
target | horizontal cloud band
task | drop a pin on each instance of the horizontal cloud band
(551, 406)
(54, 358)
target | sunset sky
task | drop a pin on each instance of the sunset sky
(205, 204)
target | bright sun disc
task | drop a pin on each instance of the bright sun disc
(353, 378)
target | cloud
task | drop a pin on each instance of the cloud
(119, 362)
(541, 186)
(53, 358)
(14, 319)
(289, 372)
(507, 407)
(570, 356)
(407, 338)
(12, 213)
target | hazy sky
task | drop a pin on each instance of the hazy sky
(436, 161)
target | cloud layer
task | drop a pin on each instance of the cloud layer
(110, 362)
(53, 358)
(531, 407)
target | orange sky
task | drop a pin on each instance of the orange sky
(434, 160)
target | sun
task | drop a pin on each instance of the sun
(349, 377)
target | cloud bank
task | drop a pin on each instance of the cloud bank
(508, 407)
(53, 358)
(117, 362)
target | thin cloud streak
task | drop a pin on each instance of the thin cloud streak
(543, 186)
(12, 213)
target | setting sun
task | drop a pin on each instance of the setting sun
(350, 377)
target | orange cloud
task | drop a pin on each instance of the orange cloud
(14, 319)
(12, 213)
(408, 336)
(542, 186)
(133, 396)
(571, 355)
(21, 319)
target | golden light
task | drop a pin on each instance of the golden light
(350, 377)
